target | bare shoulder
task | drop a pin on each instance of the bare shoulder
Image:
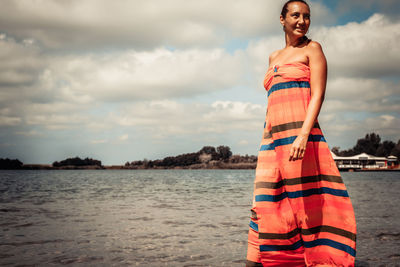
(315, 55)
(314, 47)
(273, 55)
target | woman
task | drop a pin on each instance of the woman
(301, 213)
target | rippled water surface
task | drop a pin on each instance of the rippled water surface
(163, 217)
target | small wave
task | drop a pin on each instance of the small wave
(10, 210)
(388, 236)
(39, 242)
(176, 223)
(84, 258)
(23, 225)
(208, 225)
(146, 219)
(191, 258)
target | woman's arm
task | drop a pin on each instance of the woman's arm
(318, 76)
(318, 68)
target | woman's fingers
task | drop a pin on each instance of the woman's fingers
(296, 153)
(293, 153)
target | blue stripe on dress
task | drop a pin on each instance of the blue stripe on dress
(310, 244)
(287, 85)
(294, 246)
(302, 193)
(289, 140)
(331, 243)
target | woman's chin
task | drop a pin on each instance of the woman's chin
(299, 32)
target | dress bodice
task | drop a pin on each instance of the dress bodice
(296, 71)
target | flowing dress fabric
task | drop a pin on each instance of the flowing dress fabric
(302, 214)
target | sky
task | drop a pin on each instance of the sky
(126, 80)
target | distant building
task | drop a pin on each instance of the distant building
(392, 160)
(363, 161)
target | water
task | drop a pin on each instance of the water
(163, 217)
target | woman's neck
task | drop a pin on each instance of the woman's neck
(292, 41)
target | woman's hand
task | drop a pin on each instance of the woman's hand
(298, 148)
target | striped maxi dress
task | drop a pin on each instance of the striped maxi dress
(301, 214)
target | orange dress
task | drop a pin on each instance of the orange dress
(302, 214)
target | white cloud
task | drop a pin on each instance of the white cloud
(65, 88)
(134, 76)
(143, 24)
(100, 141)
(243, 142)
(344, 129)
(20, 64)
(7, 118)
(9, 121)
(159, 119)
(386, 122)
(123, 137)
(29, 133)
(57, 121)
(169, 118)
(367, 49)
(361, 94)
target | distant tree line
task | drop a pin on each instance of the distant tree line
(77, 162)
(10, 164)
(372, 145)
(205, 155)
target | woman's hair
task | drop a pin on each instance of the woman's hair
(285, 10)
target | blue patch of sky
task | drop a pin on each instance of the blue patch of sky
(392, 78)
(170, 48)
(104, 109)
(234, 44)
(356, 16)
(354, 13)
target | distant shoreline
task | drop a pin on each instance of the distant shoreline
(204, 166)
(221, 157)
(212, 166)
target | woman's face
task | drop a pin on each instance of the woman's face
(297, 19)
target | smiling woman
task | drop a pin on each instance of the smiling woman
(301, 213)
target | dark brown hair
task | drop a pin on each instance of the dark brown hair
(285, 9)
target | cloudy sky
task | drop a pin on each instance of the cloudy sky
(127, 80)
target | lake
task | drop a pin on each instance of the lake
(163, 217)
